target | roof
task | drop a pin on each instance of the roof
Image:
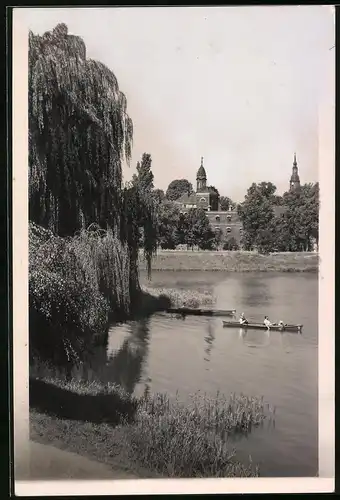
(201, 173)
(185, 198)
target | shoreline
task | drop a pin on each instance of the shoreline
(229, 261)
(74, 416)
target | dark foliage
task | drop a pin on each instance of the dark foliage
(177, 188)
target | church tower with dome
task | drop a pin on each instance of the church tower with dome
(206, 198)
(201, 179)
(226, 222)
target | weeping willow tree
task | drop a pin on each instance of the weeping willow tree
(79, 136)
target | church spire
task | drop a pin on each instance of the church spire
(295, 179)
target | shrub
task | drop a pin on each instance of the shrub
(63, 314)
(73, 284)
(105, 262)
(231, 244)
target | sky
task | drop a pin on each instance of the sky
(239, 86)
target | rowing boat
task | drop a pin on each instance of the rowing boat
(261, 326)
(184, 311)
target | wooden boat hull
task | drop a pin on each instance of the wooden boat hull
(187, 311)
(261, 326)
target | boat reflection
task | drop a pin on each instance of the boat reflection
(285, 343)
(255, 338)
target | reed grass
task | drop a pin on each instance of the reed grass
(182, 298)
(155, 433)
(191, 440)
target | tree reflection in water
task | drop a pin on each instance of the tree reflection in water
(255, 292)
(209, 339)
(125, 366)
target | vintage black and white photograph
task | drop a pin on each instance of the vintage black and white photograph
(177, 162)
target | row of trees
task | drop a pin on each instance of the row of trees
(190, 229)
(287, 223)
(270, 222)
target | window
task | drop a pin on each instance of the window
(202, 200)
(229, 218)
(217, 228)
(217, 218)
(228, 229)
(241, 229)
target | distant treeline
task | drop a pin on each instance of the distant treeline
(271, 223)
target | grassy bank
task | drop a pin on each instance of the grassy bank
(152, 436)
(180, 298)
(238, 261)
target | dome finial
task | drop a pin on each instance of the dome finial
(201, 161)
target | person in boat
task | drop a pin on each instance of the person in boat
(243, 320)
(267, 323)
(281, 323)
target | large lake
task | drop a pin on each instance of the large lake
(170, 355)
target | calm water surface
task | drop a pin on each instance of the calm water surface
(197, 353)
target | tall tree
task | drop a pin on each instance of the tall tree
(200, 232)
(143, 180)
(225, 203)
(302, 217)
(182, 229)
(256, 213)
(177, 188)
(158, 195)
(214, 190)
(168, 216)
(79, 134)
